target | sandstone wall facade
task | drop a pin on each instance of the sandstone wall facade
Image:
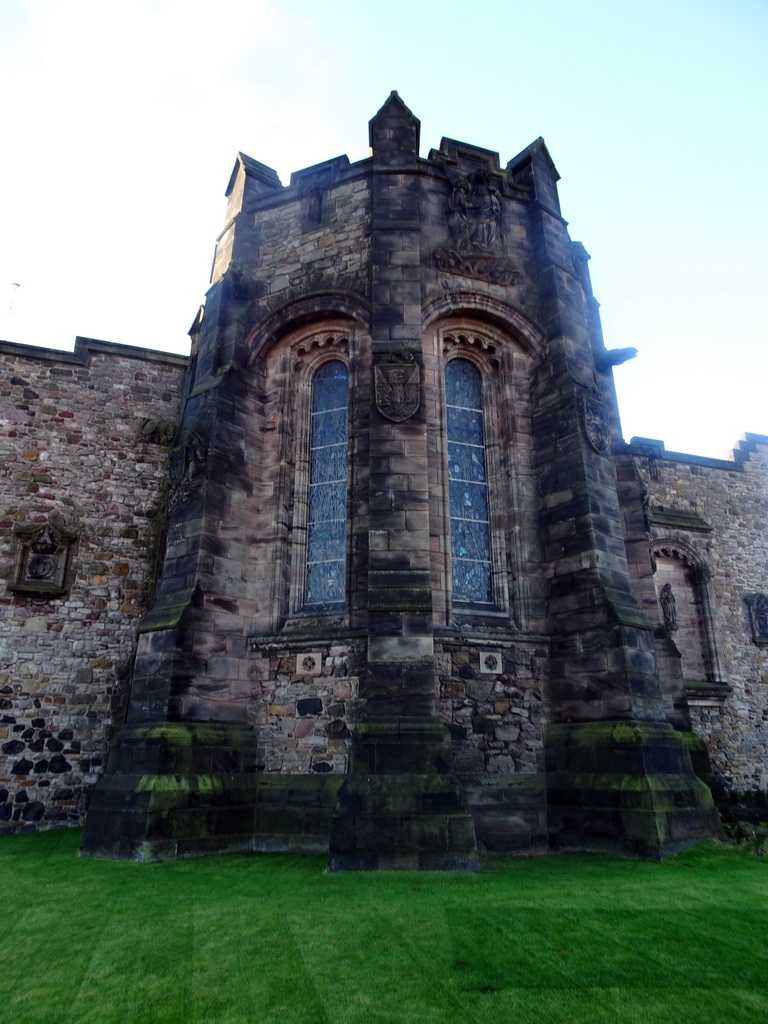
(75, 454)
(711, 516)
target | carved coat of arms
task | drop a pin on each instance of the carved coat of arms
(758, 617)
(596, 424)
(42, 558)
(397, 387)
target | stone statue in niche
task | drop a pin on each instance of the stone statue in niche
(42, 559)
(668, 607)
(757, 605)
(398, 386)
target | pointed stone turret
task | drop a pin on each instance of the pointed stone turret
(394, 135)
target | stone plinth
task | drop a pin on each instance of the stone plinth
(625, 787)
(402, 822)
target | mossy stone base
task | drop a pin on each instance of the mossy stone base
(182, 789)
(399, 745)
(164, 817)
(402, 822)
(183, 748)
(509, 811)
(625, 787)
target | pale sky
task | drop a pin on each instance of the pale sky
(121, 122)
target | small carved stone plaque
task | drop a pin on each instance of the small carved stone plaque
(397, 385)
(309, 664)
(491, 663)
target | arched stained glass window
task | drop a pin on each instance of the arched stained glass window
(468, 485)
(327, 521)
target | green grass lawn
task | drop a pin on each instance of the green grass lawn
(561, 940)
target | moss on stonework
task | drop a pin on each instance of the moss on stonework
(693, 741)
(412, 599)
(588, 734)
(625, 609)
(168, 612)
(681, 519)
(186, 733)
(623, 733)
(412, 729)
(180, 784)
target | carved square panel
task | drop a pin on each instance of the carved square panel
(491, 663)
(309, 664)
(42, 559)
(757, 606)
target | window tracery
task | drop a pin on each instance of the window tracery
(482, 518)
(468, 485)
(325, 579)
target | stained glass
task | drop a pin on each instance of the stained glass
(472, 582)
(325, 541)
(465, 424)
(327, 521)
(468, 501)
(332, 466)
(467, 485)
(329, 427)
(463, 387)
(469, 539)
(467, 462)
(325, 583)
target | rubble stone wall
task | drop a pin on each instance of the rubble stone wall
(491, 698)
(304, 704)
(731, 496)
(84, 439)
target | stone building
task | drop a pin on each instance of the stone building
(401, 590)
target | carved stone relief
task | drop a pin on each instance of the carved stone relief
(158, 431)
(596, 426)
(397, 386)
(184, 470)
(476, 246)
(757, 606)
(42, 559)
(496, 269)
(323, 339)
(242, 286)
